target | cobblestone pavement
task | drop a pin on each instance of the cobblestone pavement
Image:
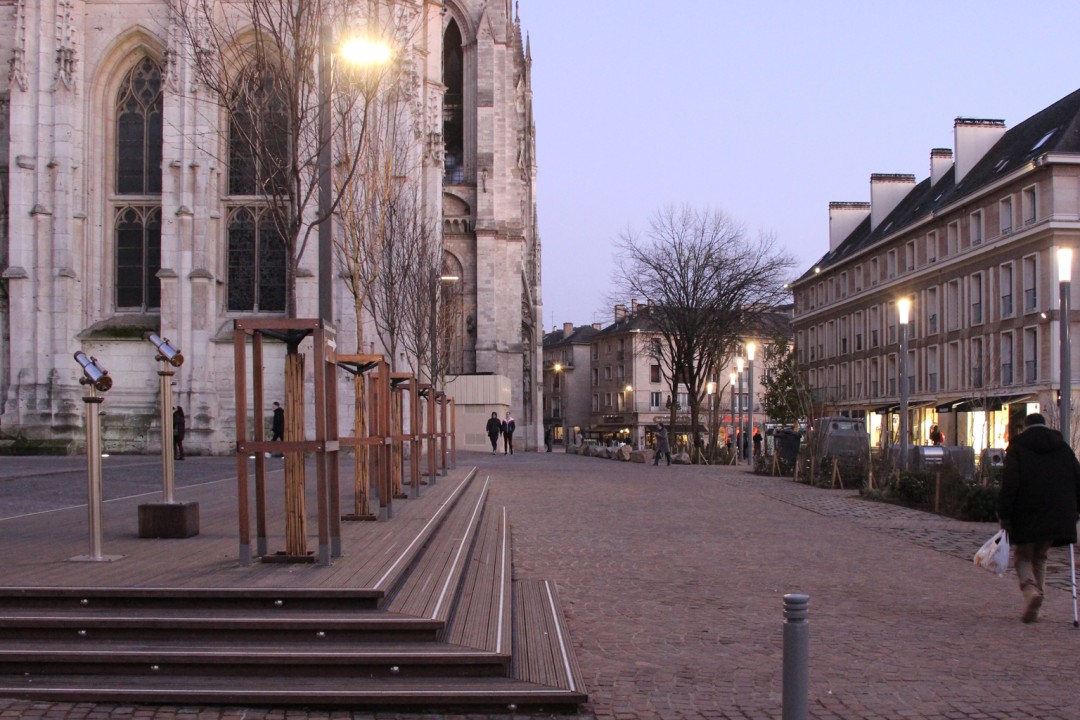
(672, 580)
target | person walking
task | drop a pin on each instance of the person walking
(936, 436)
(1039, 503)
(277, 426)
(178, 429)
(494, 430)
(547, 437)
(757, 443)
(662, 445)
(508, 428)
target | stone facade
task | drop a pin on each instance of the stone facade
(69, 59)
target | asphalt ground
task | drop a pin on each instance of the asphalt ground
(673, 578)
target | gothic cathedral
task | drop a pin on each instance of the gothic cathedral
(125, 208)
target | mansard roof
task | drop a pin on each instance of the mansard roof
(581, 336)
(1055, 129)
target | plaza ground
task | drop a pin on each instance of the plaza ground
(672, 581)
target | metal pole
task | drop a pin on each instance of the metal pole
(731, 386)
(167, 450)
(750, 414)
(1066, 363)
(93, 471)
(325, 237)
(796, 657)
(903, 397)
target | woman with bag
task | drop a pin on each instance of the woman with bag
(1039, 503)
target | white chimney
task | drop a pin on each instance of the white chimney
(940, 161)
(844, 217)
(973, 138)
(886, 192)
(567, 330)
(620, 312)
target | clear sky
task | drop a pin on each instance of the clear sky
(765, 110)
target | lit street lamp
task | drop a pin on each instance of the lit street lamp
(903, 309)
(733, 379)
(750, 349)
(739, 437)
(1064, 263)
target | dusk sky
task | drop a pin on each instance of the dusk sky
(766, 111)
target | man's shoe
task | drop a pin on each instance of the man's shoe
(1031, 610)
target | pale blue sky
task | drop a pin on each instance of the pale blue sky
(765, 110)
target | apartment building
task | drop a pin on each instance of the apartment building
(973, 248)
(566, 381)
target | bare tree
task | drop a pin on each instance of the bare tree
(707, 284)
(259, 60)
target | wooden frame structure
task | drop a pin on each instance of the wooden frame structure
(406, 383)
(377, 439)
(324, 445)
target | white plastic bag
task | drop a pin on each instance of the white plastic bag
(993, 556)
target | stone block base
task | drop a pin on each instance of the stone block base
(169, 520)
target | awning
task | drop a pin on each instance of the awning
(983, 403)
(890, 409)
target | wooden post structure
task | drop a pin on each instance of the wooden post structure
(453, 432)
(836, 478)
(368, 437)
(295, 445)
(400, 384)
(440, 398)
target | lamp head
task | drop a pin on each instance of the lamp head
(739, 363)
(751, 348)
(1064, 263)
(903, 308)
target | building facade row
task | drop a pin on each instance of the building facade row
(973, 249)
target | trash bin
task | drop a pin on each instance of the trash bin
(991, 464)
(929, 458)
(787, 448)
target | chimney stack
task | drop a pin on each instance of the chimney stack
(620, 313)
(633, 306)
(941, 160)
(886, 192)
(973, 139)
(567, 330)
(844, 217)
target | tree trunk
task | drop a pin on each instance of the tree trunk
(295, 503)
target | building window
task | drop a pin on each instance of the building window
(858, 278)
(976, 363)
(654, 373)
(890, 263)
(453, 105)
(952, 238)
(909, 256)
(932, 369)
(975, 227)
(607, 372)
(953, 307)
(975, 286)
(256, 260)
(1029, 200)
(137, 220)
(655, 401)
(874, 272)
(258, 171)
(1031, 299)
(595, 376)
(1005, 284)
(596, 402)
(1031, 355)
(931, 247)
(1006, 358)
(607, 400)
(932, 311)
(1005, 212)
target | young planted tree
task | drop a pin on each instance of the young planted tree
(708, 285)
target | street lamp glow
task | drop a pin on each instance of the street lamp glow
(740, 363)
(1064, 264)
(629, 388)
(731, 377)
(903, 308)
(710, 388)
(557, 367)
(751, 348)
(365, 52)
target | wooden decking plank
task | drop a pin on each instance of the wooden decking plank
(542, 650)
(482, 612)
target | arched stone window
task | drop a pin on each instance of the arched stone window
(452, 307)
(137, 217)
(259, 139)
(454, 105)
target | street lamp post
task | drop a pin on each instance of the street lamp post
(739, 437)
(733, 379)
(1064, 263)
(750, 349)
(903, 308)
(710, 390)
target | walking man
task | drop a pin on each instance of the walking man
(508, 428)
(1039, 503)
(662, 446)
(494, 430)
(277, 424)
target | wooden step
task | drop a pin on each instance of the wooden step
(482, 606)
(323, 659)
(421, 693)
(430, 587)
(233, 624)
(186, 598)
(543, 653)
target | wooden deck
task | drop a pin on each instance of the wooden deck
(419, 610)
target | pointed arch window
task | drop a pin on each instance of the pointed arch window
(454, 105)
(137, 219)
(259, 142)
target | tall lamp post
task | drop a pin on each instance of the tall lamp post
(750, 349)
(903, 309)
(740, 364)
(710, 390)
(733, 377)
(1064, 263)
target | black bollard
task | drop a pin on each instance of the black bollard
(796, 657)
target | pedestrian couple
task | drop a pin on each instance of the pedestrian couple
(506, 428)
